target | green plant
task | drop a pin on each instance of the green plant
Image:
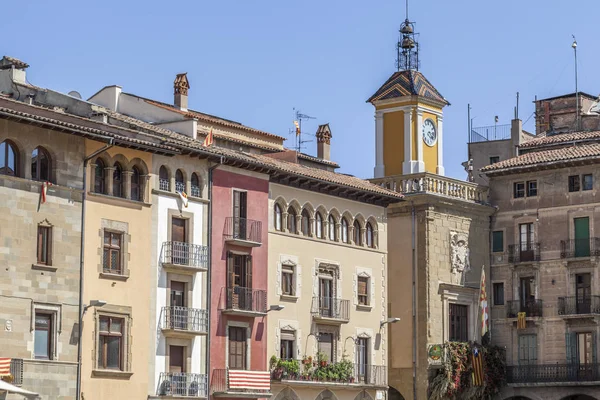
(273, 362)
(344, 369)
(292, 367)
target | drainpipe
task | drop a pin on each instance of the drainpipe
(414, 297)
(81, 259)
(209, 273)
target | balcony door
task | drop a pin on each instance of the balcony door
(239, 215)
(237, 347)
(583, 293)
(527, 292)
(326, 294)
(527, 349)
(582, 237)
(179, 241)
(239, 283)
(177, 368)
(526, 238)
(178, 304)
(362, 359)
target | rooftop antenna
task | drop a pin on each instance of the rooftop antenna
(298, 124)
(577, 116)
(407, 48)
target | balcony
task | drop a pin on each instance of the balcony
(573, 306)
(531, 308)
(552, 373)
(181, 384)
(184, 322)
(243, 232)
(245, 301)
(342, 373)
(576, 248)
(240, 383)
(184, 257)
(525, 252)
(330, 310)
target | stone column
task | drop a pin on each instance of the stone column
(408, 164)
(108, 180)
(379, 165)
(420, 167)
(284, 221)
(126, 183)
(92, 181)
(363, 236)
(440, 148)
(311, 227)
(145, 188)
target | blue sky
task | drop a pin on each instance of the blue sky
(254, 61)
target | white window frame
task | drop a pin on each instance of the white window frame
(55, 312)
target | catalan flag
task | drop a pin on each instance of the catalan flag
(208, 140)
(184, 198)
(45, 186)
(297, 127)
(5, 366)
(477, 362)
(521, 322)
(483, 305)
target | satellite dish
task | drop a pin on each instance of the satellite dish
(74, 93)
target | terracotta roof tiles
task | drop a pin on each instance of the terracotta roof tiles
(561, 138)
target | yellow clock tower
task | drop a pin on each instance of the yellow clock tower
(408, 116)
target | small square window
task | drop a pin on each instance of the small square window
(519, 190)
(531, 188)
(494, 159)
(574, 183)
(44, 245)
(363, 291)
(287, 280)
(111, 261)
(499, 294)
(588, 182)
(498, 241)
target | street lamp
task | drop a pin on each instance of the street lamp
(276, 307)
(388, 321)
(93, 303)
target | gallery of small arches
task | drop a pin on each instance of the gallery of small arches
(34, 163)
(119, 177)
(289, 394)
(167, 181)
(324, 224)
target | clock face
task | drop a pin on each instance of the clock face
(429, 132)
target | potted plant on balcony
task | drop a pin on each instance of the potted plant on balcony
(321, 359)
(276, 368)
(345, 370)
(291, 368)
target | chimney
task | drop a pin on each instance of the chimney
(180, 87)
(11, 71)
(323, 142)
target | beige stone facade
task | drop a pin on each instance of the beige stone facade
(333, 289)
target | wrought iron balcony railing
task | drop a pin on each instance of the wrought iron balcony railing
(550, 373)
(331, 308)
(575, 305)
(531, 308)
(185, 254)
(243, 230)
(574, 248)
(361, 374)
(524, 252)
(237, 382)
(246, 299)
(163, 184)
(191, 320)
(182, 384)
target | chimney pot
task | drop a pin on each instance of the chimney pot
(323, 142)
(180, 89)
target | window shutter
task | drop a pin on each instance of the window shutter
(129, 339)
(571, 342)
(248, 271)
(594, 348)
(362, 286)
(242, 204)
(230, 269)
(288, 335)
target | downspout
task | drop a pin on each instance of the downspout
(414, 297)
(209, 273)
(81, 261)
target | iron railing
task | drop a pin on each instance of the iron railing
(219, 383)
(195, 191)
(16, 370)
(574, 305)
(524, 252)
(487, 133)
(179, 253)
(246, 299)
(185, 319)
(243, 229)
(330, 307)
(550, 373)
(531, 308)
(180, 186)
(163, 184)
(363, 374)
(182, 384)
(580, 248)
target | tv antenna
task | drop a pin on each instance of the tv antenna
(299, 117)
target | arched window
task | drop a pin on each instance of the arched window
(357, 235)
(291, 222)
(195, 186)
(136, 192)
(163, 179)
(278, 216)
(332, 230)
(344, 230)
(370, 236)
(319, 225)
(179, 182)
(118, 181)
(9, 159)
(40, 165)
(305, 223)
(99, 182)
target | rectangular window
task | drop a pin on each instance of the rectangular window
(527, 349)
(363, 290)
(519, 190)
(526, 237)
(585, 348)
(574, 183)
(494, 159)
(531, 188)
(239, 215)
(112, 252)
(43, 336)
(498, 241)
(286, 351)
(287, 280)
(588, 182)
(499, 294)
(237, 347)
(44, 246)
(325, 345)
(458, 323)
(110, 343)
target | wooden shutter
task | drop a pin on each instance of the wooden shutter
(288, 335)
(243, 209)
(178, 233)
(230, 270)
(248, 261)
(236, 204)
(326, 345)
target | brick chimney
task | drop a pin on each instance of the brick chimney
(323, 142)
(181, 87)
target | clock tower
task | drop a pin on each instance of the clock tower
(408, 116)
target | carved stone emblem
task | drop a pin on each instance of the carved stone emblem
(459, 252)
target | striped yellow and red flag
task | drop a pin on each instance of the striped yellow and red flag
(208, 140)
(5, 366)
(477, 361)
(297, 125)
(521, 322)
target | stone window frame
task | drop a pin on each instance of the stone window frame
(48, 266)
(114, 311)
(365, 333)
(55, 311)
(364, 272)
(336, 335)
(530, 219)
(289, 325)
(531, 329)
(289, 260)
(504, 297)
(462, 295)
(188, 344)
(189, 287)
(239, 324)
(189, 220)
(523, 272)
(572, 214)
(123, 229)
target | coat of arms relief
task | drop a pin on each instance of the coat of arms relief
(459, 256)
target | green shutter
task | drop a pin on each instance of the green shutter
(571, 343)
(582, 237)
(498, 241)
